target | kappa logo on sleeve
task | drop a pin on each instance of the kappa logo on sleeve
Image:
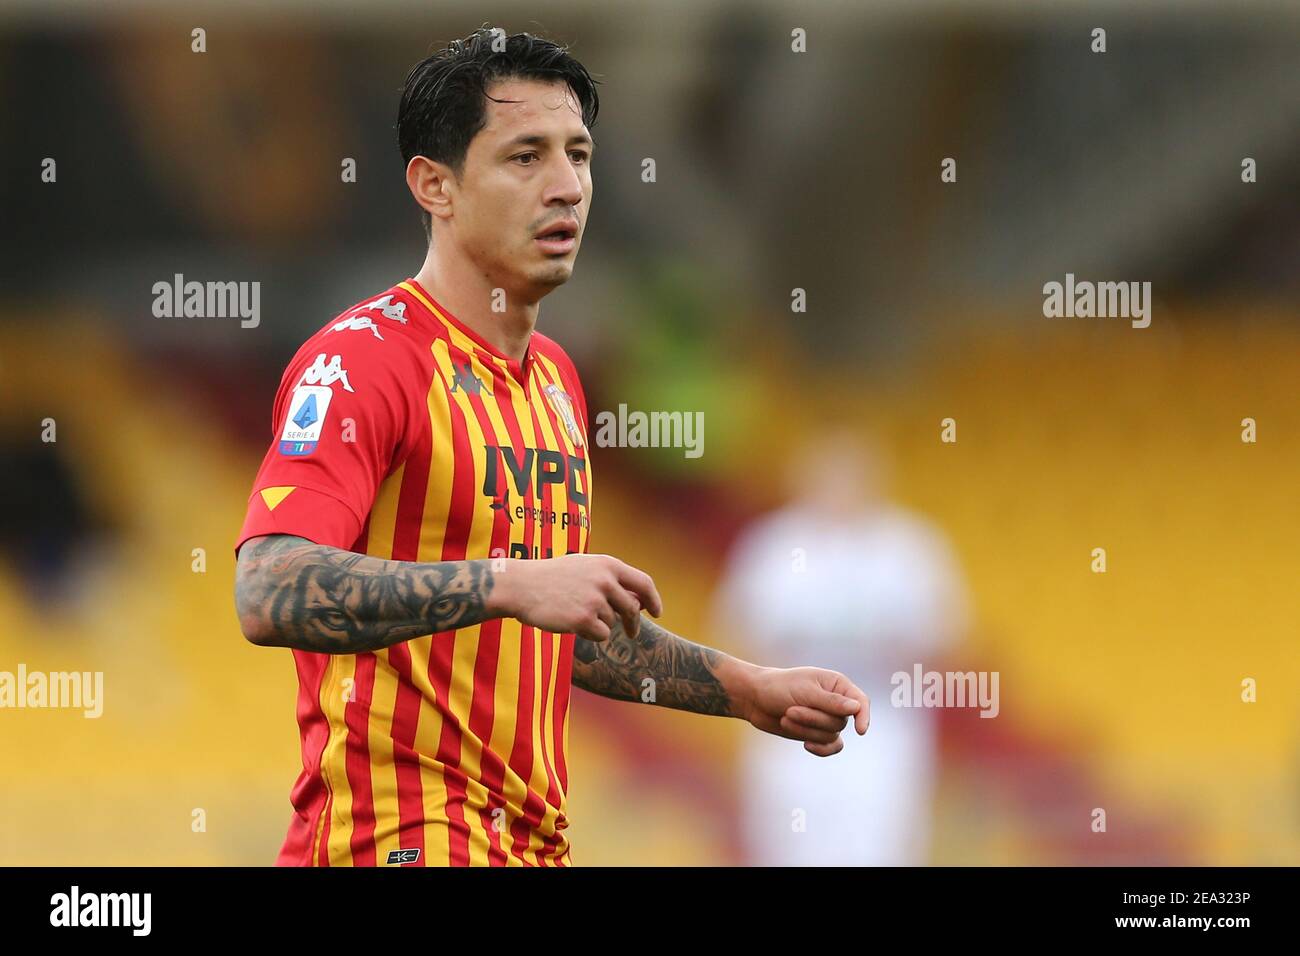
(318, 373)
(357, 323)
(390, 309)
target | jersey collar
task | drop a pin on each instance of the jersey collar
(519, 370)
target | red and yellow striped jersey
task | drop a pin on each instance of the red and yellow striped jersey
(400, 433)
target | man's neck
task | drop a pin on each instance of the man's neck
(468, 295)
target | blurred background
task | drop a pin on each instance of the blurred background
(775, 170)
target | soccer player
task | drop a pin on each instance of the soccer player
(417, 532)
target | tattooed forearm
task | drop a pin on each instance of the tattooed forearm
(682, 675)
(291, 592)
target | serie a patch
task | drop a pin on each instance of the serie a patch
(302, 428)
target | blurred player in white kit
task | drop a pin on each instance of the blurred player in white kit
(843, 576)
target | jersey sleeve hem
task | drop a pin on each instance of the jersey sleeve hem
(305, 512)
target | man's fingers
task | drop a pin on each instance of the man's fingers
(801, 731)
(815, 718)
(829, 702)
(846, 699)
(862, 719)
(629, 609)
(640, 584)
(608, 615)
(603, 626)
(824, 750)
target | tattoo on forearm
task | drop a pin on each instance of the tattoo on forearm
(684, 674)
(318, 598)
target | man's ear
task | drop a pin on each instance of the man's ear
(431, 184)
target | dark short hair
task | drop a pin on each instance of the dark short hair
(444, 98)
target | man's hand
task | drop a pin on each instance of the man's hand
(808, 704)
(586, 594)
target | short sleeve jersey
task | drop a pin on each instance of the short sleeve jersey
(398, 432)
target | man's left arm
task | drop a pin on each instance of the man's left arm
(658, 667)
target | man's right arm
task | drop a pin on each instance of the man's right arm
(291, 592)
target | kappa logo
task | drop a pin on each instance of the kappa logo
(318, 373)
(357, 323)
(465, 380)
(398, 857)
(391, 310)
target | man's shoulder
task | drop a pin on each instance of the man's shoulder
(375, 337)
(381, 317)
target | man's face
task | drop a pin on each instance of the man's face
(526, 173)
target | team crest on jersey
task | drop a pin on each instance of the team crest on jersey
(302, 428)
(563, 405)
